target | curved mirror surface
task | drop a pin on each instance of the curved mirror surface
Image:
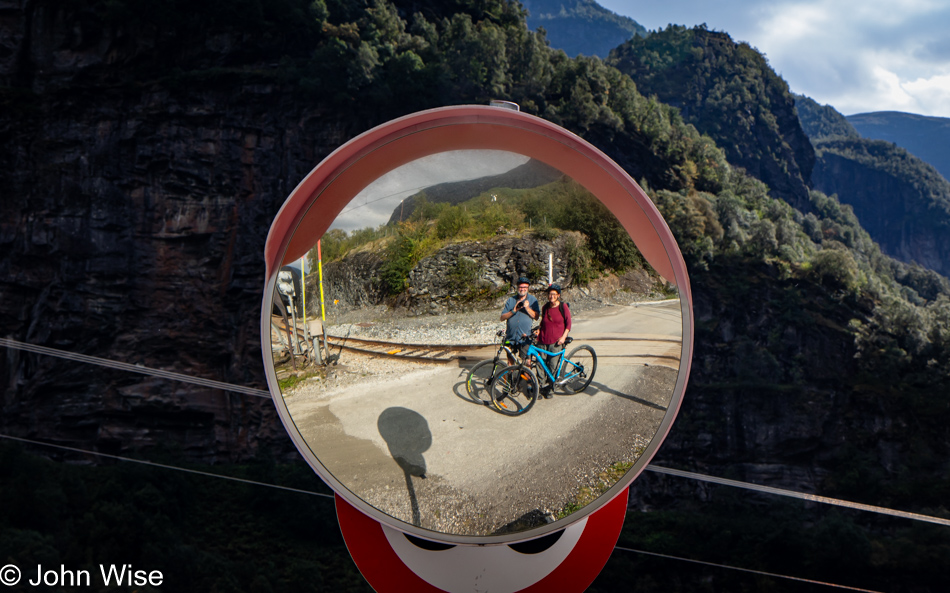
(417, 273)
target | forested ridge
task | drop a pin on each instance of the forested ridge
(728, 91)
(581, 26)
(822, 121)
(901, 200)
(925, 136)
(820, 363)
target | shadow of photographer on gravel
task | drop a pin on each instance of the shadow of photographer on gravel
(408, 436)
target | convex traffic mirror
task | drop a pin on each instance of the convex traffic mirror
(427, 224)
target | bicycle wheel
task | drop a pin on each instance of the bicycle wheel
(479, 379)
(578, 370)
(514, 390)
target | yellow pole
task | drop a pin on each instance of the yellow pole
(323, 315)
(303, 288)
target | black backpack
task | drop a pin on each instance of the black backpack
(560, 308)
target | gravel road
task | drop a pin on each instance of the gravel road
(404, 437)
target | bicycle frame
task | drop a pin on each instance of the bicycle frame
(506, 347)
(536, 352)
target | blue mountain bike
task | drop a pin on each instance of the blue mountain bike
(514, 389)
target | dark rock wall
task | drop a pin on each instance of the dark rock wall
(772, 398)
(132, 227)
(892, 210)
(132, 223)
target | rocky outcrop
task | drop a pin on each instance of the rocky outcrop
(353, 282)
(460, 275)
(485, 271)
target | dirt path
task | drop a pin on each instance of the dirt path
(414, 446)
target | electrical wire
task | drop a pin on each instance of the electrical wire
(653, 468)
(260, 393)
(297, 490)
(368, 202)
(761, 572)
(162, 465)
(800, 495)
(132, 368)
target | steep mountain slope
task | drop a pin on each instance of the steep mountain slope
(531, 174)
(926, 137)
(821, 121)
(147, 156)
(903, 202)
(581, 26)
(146, 153)
(728, 91)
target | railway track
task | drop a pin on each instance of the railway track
(650, 349)
(435, 353)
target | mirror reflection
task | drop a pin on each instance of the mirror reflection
(476, 346)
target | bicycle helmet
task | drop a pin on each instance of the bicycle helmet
(556, 287)
(523, 280)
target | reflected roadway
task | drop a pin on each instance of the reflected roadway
(484, 472)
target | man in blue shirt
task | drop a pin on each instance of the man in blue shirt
(520, 311)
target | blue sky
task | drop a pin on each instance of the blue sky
(857, 56)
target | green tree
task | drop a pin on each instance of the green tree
(452, 221)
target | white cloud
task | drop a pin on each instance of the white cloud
(859, 57)
(375, 204)
(932, 94)
(872, 55)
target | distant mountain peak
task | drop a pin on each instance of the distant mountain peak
(822, 121)
(581, 26)
(925, 136)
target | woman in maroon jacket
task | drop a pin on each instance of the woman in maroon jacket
(555, 325)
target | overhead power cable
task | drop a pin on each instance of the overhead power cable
(321, 494)
(162, 465)
(800, 495)
(761, 572)
(133, 368)
(654, 468)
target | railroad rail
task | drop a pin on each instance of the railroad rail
(435, 353)
(611, 348)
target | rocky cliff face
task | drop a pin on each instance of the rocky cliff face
(133, 225)
(458, 276)
(900, 214)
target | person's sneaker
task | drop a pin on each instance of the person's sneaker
(546, 392)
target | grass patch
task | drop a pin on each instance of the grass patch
(588, 494)
(291, 381)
